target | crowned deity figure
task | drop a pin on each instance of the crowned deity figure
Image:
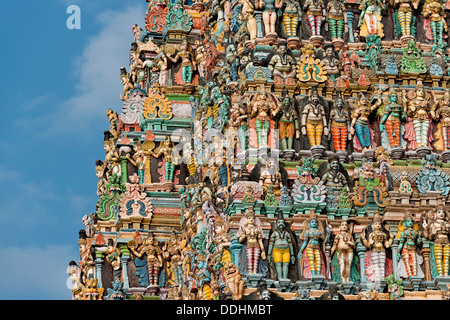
(434, 11)
(281, 249)
(370, 18)
(440, 112)
(339, 122)
(313, 119)
(410, 240)
(344, 246)
(188, 62)
(393, 115)
(153, 253)
(360, 121)
(289, 123)
(167, 149)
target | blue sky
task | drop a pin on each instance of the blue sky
(56, 87)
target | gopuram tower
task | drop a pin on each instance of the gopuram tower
(296, 149)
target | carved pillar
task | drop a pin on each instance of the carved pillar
(361, 251)
(125, 257)
(99, 268)
(426, 259)
(259, 25)
(394, 249)
(350, 18)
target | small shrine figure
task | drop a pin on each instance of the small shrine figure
(281, 249)
(167, 148)
(314, 121)
(436, 227)
(441, 112)
(315, 14)
(405, 185)
(139, 159)
(271, 176)
(390, 124)
(112, 159)
(334, 179)
(344, 246)
(112, 255)
(238, 123)
(337, 19)
(331, 63)
(377, 239)
(292, 16)
(419, 111)
(289, 123)
(282, 63)
(370, 18)
(410, 240)
(264, 107)
(434, 14)
(233, 280)
(311, 254)
(153, 252)
(188, 63)
(161, 65)
(99, 169)
(360, 122)
(339, 122)
(172, 253)
(87, 265)
(248, 8)
(250, 234)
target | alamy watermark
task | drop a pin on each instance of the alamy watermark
(74, 20)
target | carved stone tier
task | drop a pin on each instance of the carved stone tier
(164, 187)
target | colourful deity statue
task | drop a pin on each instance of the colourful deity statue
(315, 15)
(344, 246)
(311, 254)
(112, 255)
(339, 122)
(337, 19)
(112, 159)
(248, 8)
(393, 114)
(238, 123)
(188, 63)
(172, 253)
(292, 16)
(313, 120)
(153, 253)
(434, 11)
(281, 249)
(288, 123)
(269, 14)
(410, 240)
(377, 239)
(360, 122)
(404, 16)
(264, 107)
(419, 111)
(270, 175)
(440, 112)
(167, 149)
(233, 280)
(250, 234)
(436, 227)
(334, 179)
(370, 18)
(139, 159)
(161, 65)
(282, 64)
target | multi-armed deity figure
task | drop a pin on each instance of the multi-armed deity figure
(436, 227)
(263, 107)
(377, 239)
(314, 121)
(410, 240)
(434, 10)
(292, 16)
(281, 249)
(344, 245)
(337, 19)
(188, 63)
(288, 124)
(313, 237)
(419, 111)
(370, 18)
(360, 121)
(339, 120)
(315, 15)
(404, 15)
(150, 248)
(251, 235)
(441, 112)
(393, 114)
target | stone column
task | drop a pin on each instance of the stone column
(124, 260)
(99, 268)
(259, 25)
(350, 17)
(361, 251)
(426, 258)
(394, 257)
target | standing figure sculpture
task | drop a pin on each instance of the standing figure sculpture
(315, 15)
(434, 10)
(404, 15)
(419, 110)
(410, 239)
(281, 249)
(263, 107)
(339, 121)
(337, 19)
(314, 121)
(393, 114)
(172, 253)
(360, 121)
(238, 124)
(150, 248)
(288, 124)
(313, 237)
(441, 112)
(344, 245)
(251, 235)
(436, 227)
(292, 16)
(167, 149)
(247, 11)
(377, 239)
(269, 14)
(188, 63)
(370, 18)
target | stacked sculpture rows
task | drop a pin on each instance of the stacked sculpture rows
(277, 149)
